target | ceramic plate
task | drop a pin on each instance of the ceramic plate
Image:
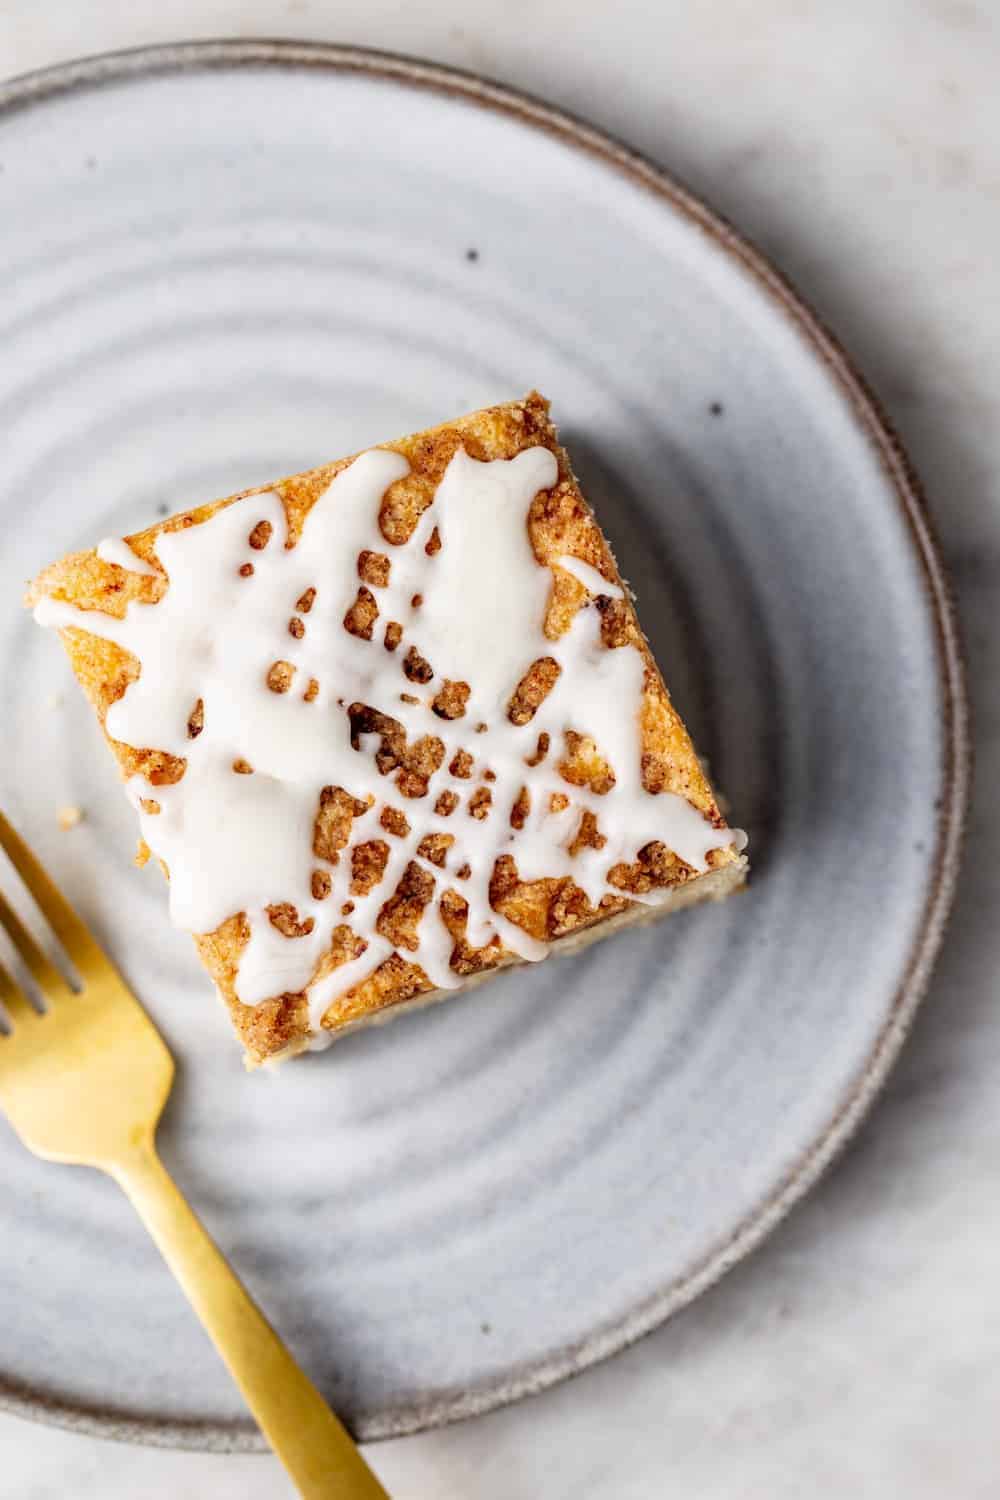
(223, 263)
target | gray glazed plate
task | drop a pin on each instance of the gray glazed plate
(225, 262)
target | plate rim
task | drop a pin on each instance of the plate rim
(870, 418)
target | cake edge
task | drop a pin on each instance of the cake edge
(714, 886)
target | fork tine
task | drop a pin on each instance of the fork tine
(14, 1001)
(72, 933)
(43, 970)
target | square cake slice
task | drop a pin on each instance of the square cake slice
(391, 725)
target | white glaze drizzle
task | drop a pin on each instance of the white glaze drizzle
(474, 610)
(592, 581)
(114, 549)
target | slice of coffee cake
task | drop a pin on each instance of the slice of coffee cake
(390, 725)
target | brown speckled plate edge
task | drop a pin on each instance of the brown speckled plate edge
(89, 73)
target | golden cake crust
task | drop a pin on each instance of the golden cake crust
(560, 523)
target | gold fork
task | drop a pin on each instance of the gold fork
(86, 1082)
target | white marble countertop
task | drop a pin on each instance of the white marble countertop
(859, 144)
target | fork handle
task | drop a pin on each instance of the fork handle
(314, 1447)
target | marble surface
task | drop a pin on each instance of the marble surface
(855, 1353)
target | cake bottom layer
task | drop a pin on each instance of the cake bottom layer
(714, 886)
